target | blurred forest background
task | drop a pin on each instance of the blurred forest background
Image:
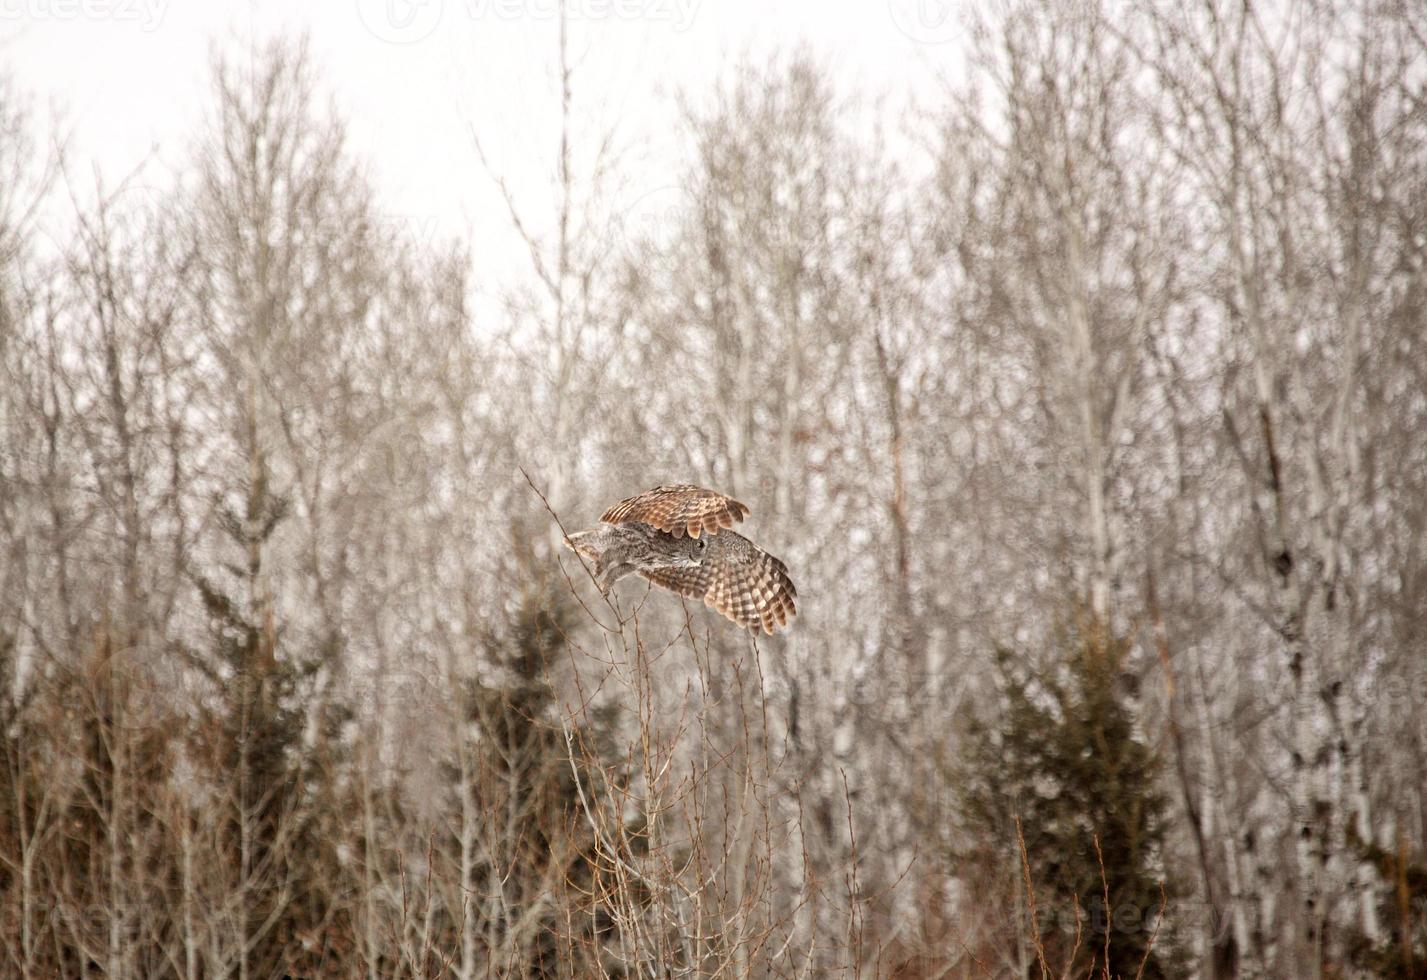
(1095, 436)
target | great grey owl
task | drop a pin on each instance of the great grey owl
(676, 536)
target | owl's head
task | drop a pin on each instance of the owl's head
(691, 551)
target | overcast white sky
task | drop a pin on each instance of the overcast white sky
(131, 78)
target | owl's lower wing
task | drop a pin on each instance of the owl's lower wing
(751, 589)
(678, 510)
(692, 583)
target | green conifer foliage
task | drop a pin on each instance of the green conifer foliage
(1064, 759)
(271, 768)
(540, 909)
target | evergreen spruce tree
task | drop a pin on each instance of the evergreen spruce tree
(542, 916)
(252, 737)
(1063, 758)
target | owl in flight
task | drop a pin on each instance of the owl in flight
(677, 537)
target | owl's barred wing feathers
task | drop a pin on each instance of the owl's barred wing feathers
(727, 571)
(744, 583)
(679, 509)
(759, 591)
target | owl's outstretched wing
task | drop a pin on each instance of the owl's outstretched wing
(679, 509)
(747, 585)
